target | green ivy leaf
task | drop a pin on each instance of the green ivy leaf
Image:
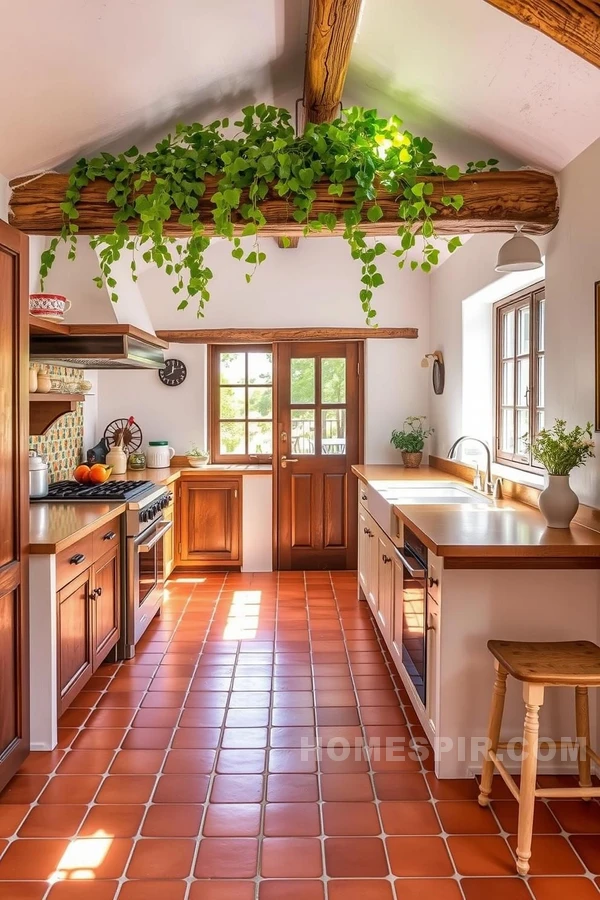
(374, 213)
(453, 173)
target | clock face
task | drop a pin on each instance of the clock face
(174, 373)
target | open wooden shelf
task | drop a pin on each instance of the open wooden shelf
(45, 409)
(46, 326)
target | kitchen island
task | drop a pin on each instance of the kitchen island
(493, 570)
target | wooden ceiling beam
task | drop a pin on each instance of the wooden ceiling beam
(275, 335)
(493, 201)
(573, 23)
(331, 28)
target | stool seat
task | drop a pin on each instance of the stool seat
(549, 662)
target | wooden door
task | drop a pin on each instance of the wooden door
(318, 440)
(14, 505)
(74, 638)
(106, 605)
(210, 522)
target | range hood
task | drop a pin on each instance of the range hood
(97, 347)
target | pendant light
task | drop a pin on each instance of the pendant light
(518, 254)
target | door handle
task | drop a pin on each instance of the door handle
(285, 460)
(145, 548)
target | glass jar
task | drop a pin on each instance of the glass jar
(137, 461)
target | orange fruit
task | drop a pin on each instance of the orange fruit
(82, 474)
(99, 473)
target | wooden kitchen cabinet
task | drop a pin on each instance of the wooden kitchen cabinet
(74, 632)
(209, 522)
(106, 605)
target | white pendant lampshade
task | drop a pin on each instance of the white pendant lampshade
(518, 254)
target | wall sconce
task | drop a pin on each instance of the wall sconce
(439, 370)
(518, 254)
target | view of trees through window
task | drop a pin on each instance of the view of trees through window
(244, 381)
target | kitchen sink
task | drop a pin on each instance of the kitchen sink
(384, 495)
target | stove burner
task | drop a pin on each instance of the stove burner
(110, 490)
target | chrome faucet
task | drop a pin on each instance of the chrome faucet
(488, 487)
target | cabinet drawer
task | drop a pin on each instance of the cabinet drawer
(74, 560)
(362, 495)
(106, 538)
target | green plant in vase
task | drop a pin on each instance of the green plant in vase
(411, 440)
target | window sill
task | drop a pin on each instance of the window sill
(520, 476)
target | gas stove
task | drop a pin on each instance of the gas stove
(110, 490)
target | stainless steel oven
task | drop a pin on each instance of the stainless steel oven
(146, 529)
(414, 611)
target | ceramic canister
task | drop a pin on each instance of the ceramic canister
(159, 455)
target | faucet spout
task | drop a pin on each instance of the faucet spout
(488, 469)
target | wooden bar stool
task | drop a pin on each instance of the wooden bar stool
(539, 665)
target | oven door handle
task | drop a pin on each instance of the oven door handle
(145, 548)
(412, 571)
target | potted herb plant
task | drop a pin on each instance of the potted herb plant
(411, 440)
(196, 457)
(560, 451)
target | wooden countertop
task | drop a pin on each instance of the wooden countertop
(168, 476)
(504, 534)
(55, 526)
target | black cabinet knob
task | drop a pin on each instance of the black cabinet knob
(77, 559)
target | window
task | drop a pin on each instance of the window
(519, 375)
(241, 403)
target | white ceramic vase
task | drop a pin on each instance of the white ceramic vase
(558, 502)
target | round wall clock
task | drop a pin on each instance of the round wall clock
(174, 373)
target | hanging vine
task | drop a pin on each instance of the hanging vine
(264, 155)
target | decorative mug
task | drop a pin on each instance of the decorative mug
(48, 306)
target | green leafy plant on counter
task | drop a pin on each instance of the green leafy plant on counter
(262, 159)
(560, 450)
(413, 435)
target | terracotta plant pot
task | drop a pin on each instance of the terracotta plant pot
(411, 460)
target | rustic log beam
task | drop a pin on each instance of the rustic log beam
(331, 27)
(274, 335)
(493, 201)
(573, 23)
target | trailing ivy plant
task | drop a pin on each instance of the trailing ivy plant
(263, 156)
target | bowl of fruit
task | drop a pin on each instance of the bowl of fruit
(96, 474)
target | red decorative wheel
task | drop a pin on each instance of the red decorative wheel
(129, 430)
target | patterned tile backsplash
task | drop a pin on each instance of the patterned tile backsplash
(63, 442)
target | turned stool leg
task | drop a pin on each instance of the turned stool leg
(533, 695)
(494, 726)
(582, 719)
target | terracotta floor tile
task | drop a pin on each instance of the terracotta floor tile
(42, 763)
(86, 762)
(126, 789)
(552, 854)
(237, 789)
(291, 890)
(415, 856)
(561, 889)
(23, 789)
(355, 858)
(331, 716)
(346, 787)
(232, 820)
(466, 817)
(507, 812)
(71, 789)
(159, 858)
(350, 819)
(98, 739)
(411, 786)
(153, 890)
(452, 788)
(173, 820)
(292, 820)
(241, 761)
(31, 860)
(588, 848)
(230, 857)
(192, 762)
(361, 890)
(73, 890)
(52, 821)
(292, 788)
(11, 817)
(291, 857)
(244, 738)
(117, 821)
(224, 890)
(382, 715)
(181, 789)
(137, 762)
(196, 738)
(243, 718)
(156, 718)
(409, 817)
(148, 739)
(292, 760)
(110, 718)
(577, 817)
(431, 889)
(481, 855)
(23, 890)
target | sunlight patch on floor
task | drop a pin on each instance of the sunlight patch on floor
(82, 857)
(242, 622)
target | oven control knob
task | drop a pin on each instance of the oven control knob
(144, 516)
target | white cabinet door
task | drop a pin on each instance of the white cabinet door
(433, 660)
(373, 565)
(385, 556)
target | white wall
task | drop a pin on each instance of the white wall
(316, 284)
(572, 264)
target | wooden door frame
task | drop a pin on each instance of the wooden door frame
(17, 244)
(360, 349)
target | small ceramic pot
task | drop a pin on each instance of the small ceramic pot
(44, 383)
(558, 502)
(197, 462)
(33, 379)
(411, 460)
(48, 306)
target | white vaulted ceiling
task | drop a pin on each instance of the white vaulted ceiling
(84, 75)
